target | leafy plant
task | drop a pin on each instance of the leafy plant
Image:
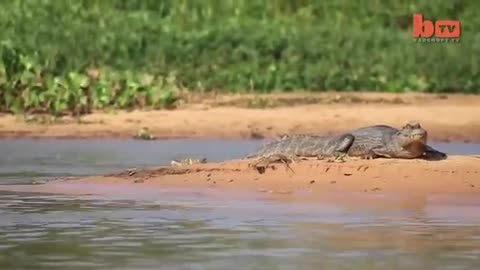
(31, 88)
(230, 45)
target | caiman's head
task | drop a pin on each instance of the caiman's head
(412, 135)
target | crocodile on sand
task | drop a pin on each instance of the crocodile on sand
(368, 142)
(377, 141)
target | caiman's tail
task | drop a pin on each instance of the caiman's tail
(251, 156)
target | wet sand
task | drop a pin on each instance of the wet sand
(446, 117)
(309, 180)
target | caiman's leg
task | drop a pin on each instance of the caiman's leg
(340, 152)
(345, 142)
(375, 152)
(433, 154)
(262, 163)
(336, 156)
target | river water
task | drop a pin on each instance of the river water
(189, 230)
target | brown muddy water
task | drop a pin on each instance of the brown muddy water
(190, 229)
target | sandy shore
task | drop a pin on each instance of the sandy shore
(446, 117)
(312, 179)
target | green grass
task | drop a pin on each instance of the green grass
(145, 50)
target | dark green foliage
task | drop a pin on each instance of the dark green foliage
(31, 88)
(225, 45)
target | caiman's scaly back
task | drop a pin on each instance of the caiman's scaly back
(306, 146)
(287, 149)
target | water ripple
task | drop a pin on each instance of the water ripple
(192, 231)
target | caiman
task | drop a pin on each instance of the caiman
(388, 142)
(368, 142)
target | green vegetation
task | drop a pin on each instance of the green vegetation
(72, 56)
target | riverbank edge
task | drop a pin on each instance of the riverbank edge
(250, 116)
(309, 180)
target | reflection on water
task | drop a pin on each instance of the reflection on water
(60, 232)
(175, 230)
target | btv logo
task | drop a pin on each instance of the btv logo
(441, 31)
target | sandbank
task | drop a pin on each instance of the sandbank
(307, 180)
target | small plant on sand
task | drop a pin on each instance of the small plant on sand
(144, 134)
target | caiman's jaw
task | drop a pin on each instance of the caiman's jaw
(415, 142)
(420, 137)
